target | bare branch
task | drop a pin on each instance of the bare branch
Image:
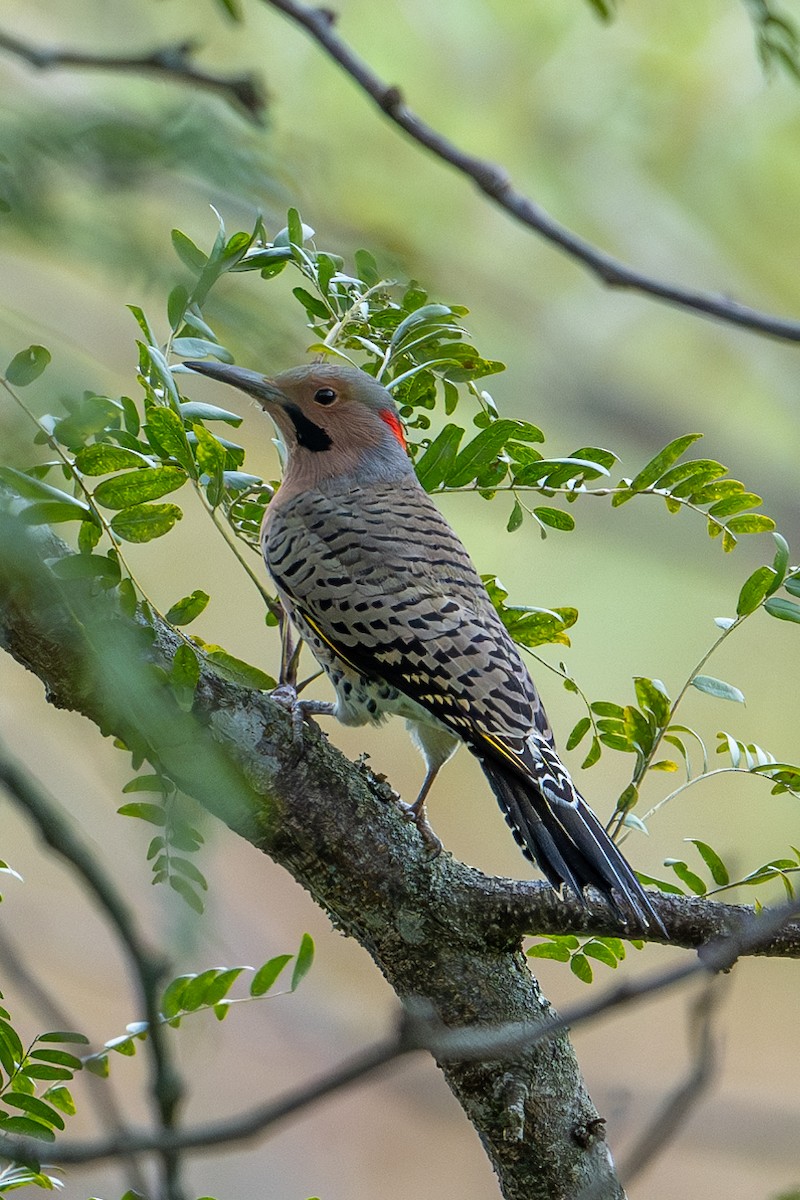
(242, 1128)
(677, 1107)
(534, 908)
(63, 838)
(495, 183)
(245, 92)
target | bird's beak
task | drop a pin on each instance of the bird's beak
(258, 386)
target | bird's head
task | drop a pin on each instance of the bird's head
(335, 422)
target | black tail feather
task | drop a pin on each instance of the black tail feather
(568, 843)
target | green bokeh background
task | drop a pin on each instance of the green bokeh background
(659, 138)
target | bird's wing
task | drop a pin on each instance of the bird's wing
(411, 611)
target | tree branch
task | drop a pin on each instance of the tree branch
(245, 92)
(495, 183)
(437, 929)
(148, 968)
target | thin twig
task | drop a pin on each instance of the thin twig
(677, 1107)
(245, 92)
(495, 183)
(148, 968)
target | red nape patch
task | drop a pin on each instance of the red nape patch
(393, 421)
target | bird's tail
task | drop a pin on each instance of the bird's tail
(561, 834)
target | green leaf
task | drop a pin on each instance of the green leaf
(171, 1000)
(185, 671)
(98, 1065)
(102, 458)
(653, 698)
(671, 889)
(315, 308)
(751, 523)
(61, 1098)
(135, 487)
(146, 783)
(152, 813)
(780, 564)
(89, 417)
(760, 584)
(196, 993)
(64, 1035)
(554, 950)
(266, 975)
(28, 1128)
(187, 892)
(11, 1050)
(35, 1108)
(604, 954)
(555, 518)
(193, 410)
(294, 226)
(188, 608)
(437, 461)
(209, 455)
(87, 566)
(194, 347)
(367, 267)
(516, 518)
(35, 489)
(653, 470)
(718, 688)
(784, 610)
(169, 435)
(581, 967)
(734, 504)
(89, 535)
(539, 627)
(220, 987)
(60, 1057)
(189, 254)
(50, 512)
(631, 821)
(176, 305)
(719, 872)
(27, 365)
(693, 882)
(302, 965)
(236, 669)
(792, 585)
(579, 732)
(144, 522)
(593, 756)
(479, 453)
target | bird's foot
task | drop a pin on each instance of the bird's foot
(417, 814)
(286, 696)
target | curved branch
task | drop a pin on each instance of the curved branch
(245, 92)
(495, 183)
(148, 967)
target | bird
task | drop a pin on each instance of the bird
(384, 593)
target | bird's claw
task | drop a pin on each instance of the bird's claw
(433, 844)
(286, 696)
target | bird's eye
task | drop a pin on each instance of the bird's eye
(325, 395)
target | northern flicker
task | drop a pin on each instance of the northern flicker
(388, 600)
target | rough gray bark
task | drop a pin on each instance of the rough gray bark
(341, 834)
(438, 930)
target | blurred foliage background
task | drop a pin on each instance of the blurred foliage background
(659, 137)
